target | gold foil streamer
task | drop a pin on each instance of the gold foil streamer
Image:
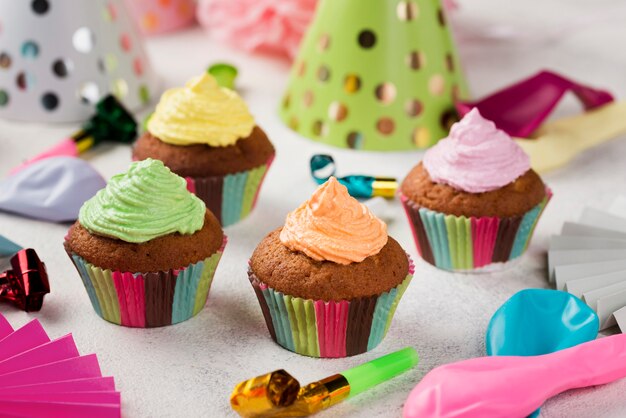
(278, 394)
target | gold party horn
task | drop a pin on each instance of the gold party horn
(278, 394)
(384, 187)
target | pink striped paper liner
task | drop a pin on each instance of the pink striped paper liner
(487, 228)
(332, 322)
(132, 299)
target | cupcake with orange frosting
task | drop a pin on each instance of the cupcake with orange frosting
(330, 279)
(474, 201)
(206, 134)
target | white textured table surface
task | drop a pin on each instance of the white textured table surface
(189, 369)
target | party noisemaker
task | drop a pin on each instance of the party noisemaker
(110, 122)
(278, 394)
(382, 76)
(58, 58)
(358, 185)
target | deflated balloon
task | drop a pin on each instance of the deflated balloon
(52, 189)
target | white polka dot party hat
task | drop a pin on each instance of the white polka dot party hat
(59, 57)
(375, 75)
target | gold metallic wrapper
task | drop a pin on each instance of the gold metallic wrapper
(278, 394)
(385, 187)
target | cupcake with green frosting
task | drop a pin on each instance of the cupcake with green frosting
(146, 248)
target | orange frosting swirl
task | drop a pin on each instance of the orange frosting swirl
(334, 226)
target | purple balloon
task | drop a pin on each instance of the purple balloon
(52, 189)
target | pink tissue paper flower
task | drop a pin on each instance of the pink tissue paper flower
(272, 26)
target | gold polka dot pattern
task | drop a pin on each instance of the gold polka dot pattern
(377, 77)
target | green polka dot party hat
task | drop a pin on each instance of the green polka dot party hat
(378, 75)
(58, 58)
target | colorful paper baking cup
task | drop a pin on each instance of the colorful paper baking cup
(147, 300)
(232, 197)
(460, 243)
(328, 329)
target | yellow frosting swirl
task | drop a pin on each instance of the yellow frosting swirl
(334, 226)
(202, 112)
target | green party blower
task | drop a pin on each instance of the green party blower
(278, 394)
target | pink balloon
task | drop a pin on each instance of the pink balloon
(494, 387)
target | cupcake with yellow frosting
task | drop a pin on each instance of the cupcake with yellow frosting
(146, 248)
(205, 133)
(330, 279)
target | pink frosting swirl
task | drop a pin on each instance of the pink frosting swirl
(476, 157)
(334, 226)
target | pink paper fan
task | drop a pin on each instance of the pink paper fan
(44, 378)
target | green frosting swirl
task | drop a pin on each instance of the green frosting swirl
(146, 202)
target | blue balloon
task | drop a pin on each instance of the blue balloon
(540, 321)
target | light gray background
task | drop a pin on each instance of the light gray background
(189, 369)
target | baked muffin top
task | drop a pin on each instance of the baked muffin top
(294, 273)
(201, 160)
(172, 251)
(514, 199)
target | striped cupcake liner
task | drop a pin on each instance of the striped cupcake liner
(147, 300)
(232, 197)
(460, 243)
(333, 329)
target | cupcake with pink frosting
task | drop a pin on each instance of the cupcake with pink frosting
(474, 201)
(330, 279)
